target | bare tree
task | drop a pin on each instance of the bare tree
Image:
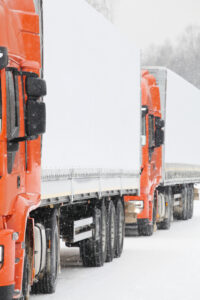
(103, 6)
(183, 57)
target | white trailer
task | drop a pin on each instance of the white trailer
(91, 148)
(92, 141)
(180, 105)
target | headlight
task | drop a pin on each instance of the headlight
(139, 203)
(135, 206)
(1, 256)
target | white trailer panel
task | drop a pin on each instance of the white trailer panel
(182, 121)
(180, 105)
(93, 102)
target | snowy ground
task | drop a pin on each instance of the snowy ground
(163, 267)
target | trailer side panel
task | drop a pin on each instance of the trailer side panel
(93, 104)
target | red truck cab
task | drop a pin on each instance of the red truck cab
(22, 120)
(143, 208)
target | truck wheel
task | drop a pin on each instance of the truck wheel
(166, 223)
(93, 251)
(145, 228)
(104, 231)
(185, 204)
(26, 279)
(191, 201)
(47, 284)
(120, 228)
(111, 231)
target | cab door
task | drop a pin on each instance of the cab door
(155, 142)
(15, 128)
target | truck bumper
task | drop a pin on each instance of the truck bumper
(7, 267)
(132, 229)
(142, 222)
(6, 292)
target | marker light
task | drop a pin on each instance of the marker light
(1, 256)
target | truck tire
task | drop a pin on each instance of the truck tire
(166, 223)
(26, 279)
(185, 204)
(93, 251)
(131, 229)
(111, 231)
(145, 227)
(47, 284)
(120, 228)
(191, 201)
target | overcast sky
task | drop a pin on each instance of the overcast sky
(153, 21)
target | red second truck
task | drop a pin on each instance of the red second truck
(96, 158)
(169, 151)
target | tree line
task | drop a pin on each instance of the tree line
(182, 56)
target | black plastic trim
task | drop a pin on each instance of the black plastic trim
(142, 222)
(6, 292)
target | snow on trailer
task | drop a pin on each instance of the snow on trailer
(180, 106)
(92, 141)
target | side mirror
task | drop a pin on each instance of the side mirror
(35, 87)
(159, 123)
(12, 146)
(3, 57)
(35, 118)
(159, 133)
(159, 137)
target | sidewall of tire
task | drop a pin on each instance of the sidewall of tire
(120, 222)
(111, 227)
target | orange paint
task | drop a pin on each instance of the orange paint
(20, 35)
(150, 169)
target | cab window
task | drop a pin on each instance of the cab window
(12, 105)
(151, 135)
(151, 132)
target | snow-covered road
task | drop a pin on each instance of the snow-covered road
(163, 267)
